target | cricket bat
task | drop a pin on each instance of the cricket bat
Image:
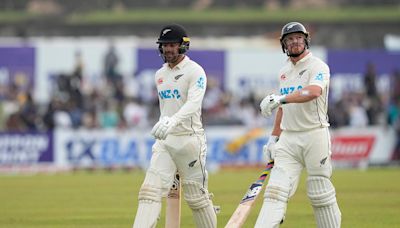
(243, 210)
(173, 207)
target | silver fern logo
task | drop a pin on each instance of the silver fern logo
(166, 31)
(302, 72)
(178, 77)
(290, 26)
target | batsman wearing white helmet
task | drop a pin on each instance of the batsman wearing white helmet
(300, 136)
(180, 140)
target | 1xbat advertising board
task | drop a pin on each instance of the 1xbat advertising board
(67, 148)
(103, 148)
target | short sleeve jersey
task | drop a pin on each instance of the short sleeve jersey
(180, 93)
(293, 77)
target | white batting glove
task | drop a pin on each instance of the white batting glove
(163, 127)
(271, 102)
(268, 149)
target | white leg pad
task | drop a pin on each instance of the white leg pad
(323, 199)
(276, 197)
(149, 201)
(198, 200)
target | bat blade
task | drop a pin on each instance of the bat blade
(241, 213)
(173, 207)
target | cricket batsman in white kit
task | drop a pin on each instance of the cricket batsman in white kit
(300, 136)
(180, 139)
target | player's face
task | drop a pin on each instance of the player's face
(171, 52)
(295, 43)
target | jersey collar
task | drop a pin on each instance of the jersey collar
(183, 62)
(304, 59)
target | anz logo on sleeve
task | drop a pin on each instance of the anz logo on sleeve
(169, 94)
(289, 90)
(200, 82)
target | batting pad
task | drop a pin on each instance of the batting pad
(275, 200)
(323, 199)
(151, 188)
(147, 214)
(202, 208)
(149, 201)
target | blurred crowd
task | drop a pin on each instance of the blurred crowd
(115, 104)
(369, 106)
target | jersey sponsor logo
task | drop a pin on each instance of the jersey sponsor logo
(169, 94)
(200, 82)
(178, 77)
(289, 90)
(319, 77)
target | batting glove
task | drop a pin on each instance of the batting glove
(268, 149)
(163, 127)
(271, 102)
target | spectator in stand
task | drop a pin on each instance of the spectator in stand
(110, 65)
(338, 114)
(212, 102)
(62, 119)
(135, 114)
(14, 123)
(394, 110)
(357, 114)
(89, 119)
(29, 113)
(108, 116)
(248, 115)
(372, 102)
(213, 95)
(395, 85)
(48, 117)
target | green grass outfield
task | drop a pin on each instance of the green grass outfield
(109, 199)
(376, 14)
(338, 15)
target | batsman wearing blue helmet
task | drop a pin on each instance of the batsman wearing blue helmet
(300, 137)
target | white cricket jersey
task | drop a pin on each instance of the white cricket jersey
(309, 115)
(180, 93)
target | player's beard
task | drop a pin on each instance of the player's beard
(171, 57)
(296, 50)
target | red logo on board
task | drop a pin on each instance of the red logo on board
(352, 147)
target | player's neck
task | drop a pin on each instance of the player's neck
(178, 60)
(298, 58)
